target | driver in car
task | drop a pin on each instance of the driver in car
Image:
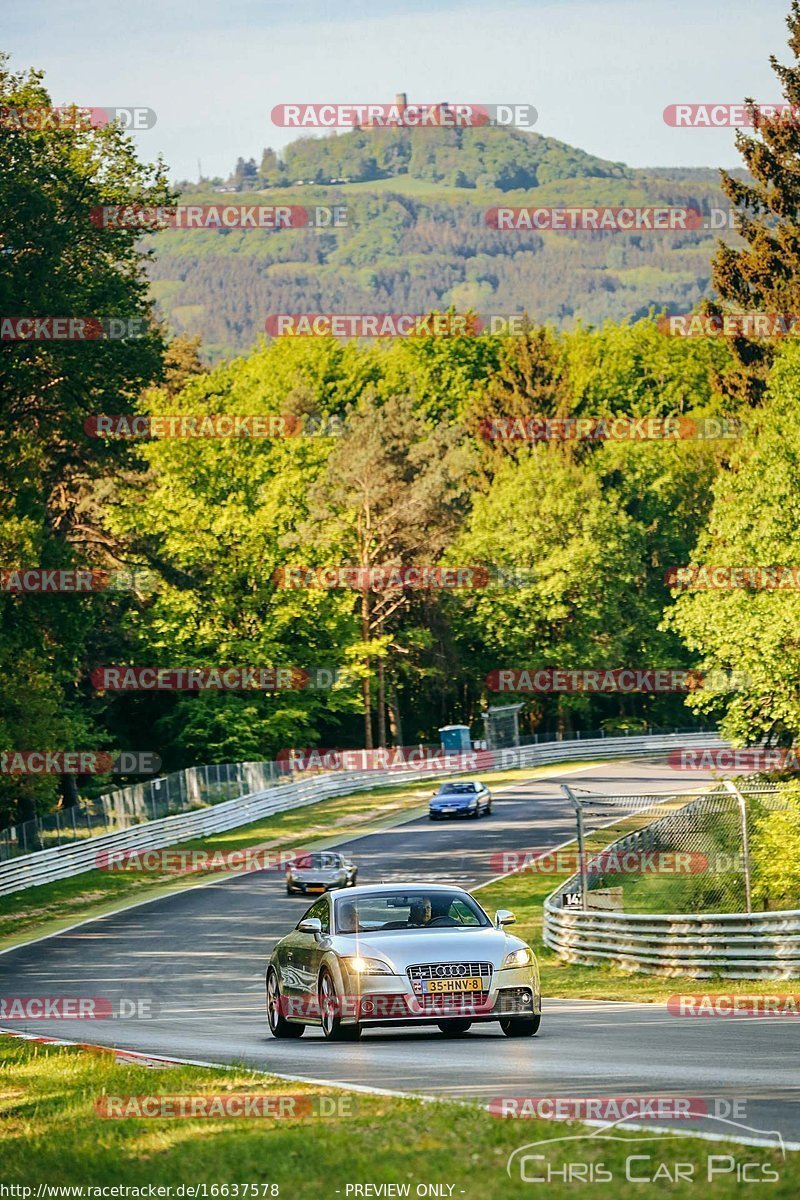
(420, 911)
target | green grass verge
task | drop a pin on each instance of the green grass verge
(53, 906)
(51, 1133)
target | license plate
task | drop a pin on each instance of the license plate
(314, 887)
(465, 983)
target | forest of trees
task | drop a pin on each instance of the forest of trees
(391, 467)
(416, 238)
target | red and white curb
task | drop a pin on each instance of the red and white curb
(156, 1061)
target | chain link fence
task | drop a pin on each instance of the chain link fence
(181, 791)
(732, 849)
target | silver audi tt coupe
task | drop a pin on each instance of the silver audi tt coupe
(401, 954)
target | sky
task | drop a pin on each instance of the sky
(599, 72)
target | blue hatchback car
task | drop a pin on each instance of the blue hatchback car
(462, 798)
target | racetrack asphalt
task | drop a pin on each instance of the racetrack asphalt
(198, 958)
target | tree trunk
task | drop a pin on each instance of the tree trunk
(68, 787)
(381, 705)
(395, 721)
(365, 685)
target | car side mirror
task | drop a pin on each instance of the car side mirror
(504, 917)
(311, 925)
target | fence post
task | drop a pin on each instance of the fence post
(731, 786)
(573, 799)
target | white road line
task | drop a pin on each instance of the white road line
(375, 1091)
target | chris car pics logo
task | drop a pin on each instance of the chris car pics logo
(648, 1157)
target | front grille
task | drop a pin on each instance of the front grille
(454, 1004)
(450, 1003)
(448, 970)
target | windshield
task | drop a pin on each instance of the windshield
(457, 788)
(417, 910)
(317, 862)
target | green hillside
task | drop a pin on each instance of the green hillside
(416, 236)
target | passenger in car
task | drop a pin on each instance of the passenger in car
(348, 917)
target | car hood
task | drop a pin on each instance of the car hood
(456, 798)
(317, 875)
(430, 946)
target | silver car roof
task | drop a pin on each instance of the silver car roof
(400, 886)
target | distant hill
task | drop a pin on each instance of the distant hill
(416, 235)
(466, 158)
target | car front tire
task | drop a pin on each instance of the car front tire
(279, 1027)
(521, 1026)
(330, 1012)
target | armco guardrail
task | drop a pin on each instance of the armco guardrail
(738, 945)
(62, 862)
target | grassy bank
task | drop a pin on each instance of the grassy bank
(51, 1133)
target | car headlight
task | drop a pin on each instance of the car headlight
(519, 958)
(367, 966)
